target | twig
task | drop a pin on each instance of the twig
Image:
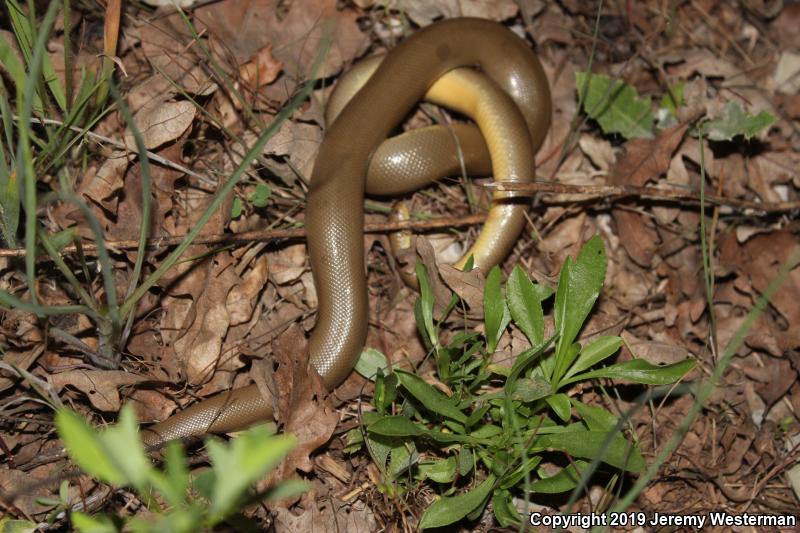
(265, 235)
(617, 192)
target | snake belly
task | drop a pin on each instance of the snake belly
(512, 123)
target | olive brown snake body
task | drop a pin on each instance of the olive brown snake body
(508, 99)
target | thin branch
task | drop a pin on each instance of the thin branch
(265, 235)
(619, 192)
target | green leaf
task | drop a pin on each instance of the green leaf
(578, 288)
(594, 352)
(379, 449)
(236, 207)
(242, 463)
(564, 480)
(370, 362)
(260, 197)
(354, 438)
(590, 444)
(447, 510)
(734, 121)
(424, 307)
(402, 457)
(615, 105)
(525, 303)
(15, 69)
(504, 510)
(515, 476)
(531, 389)
(92, 524)
(385, 392)
(495, 312)
(395, 426)
(440, 470)
(115, 456)
(466, 462)
(173, 483)
(639, 371)
(433, 400)
(596, 418)
(560, 405)
(9, 525)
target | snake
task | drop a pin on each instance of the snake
(476, 67)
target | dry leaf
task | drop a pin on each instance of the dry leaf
(100, 386)
(643, 160)
(423, 12)
(262, 69)
(169, 46)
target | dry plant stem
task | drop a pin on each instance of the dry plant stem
(618, 192)
(586, 192)
(267, 235)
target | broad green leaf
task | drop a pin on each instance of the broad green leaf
(354, 438)
(385, 392)
(260, 197)
(370, 361)
(531, 389)
(518, 474)
(560, 405)
(433, 400)
(395, 426)
(596, 418)
(173, 483)
(447, 510)
(639, 371)
(125, 447)
(615, 105)
(495, 312)
(486, 431)
(504, 510)
(115, 456)
(236, 207)
(734, 121)
(594, 352)
(9, 525)
(440, 470)
(242, 463)
(564, 480)
(379, 449)
(92, 524)
(591, 444)
(525, 303)
(401, 458)
(578, 288)
(466, 462)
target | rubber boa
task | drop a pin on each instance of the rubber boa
(350, 148)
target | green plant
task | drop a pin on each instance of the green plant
(501, 418)
(179, 501)
(618, 108)
(27, 152)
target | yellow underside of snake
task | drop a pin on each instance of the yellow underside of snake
(475, 67)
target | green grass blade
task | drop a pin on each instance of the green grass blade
(222, 193)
